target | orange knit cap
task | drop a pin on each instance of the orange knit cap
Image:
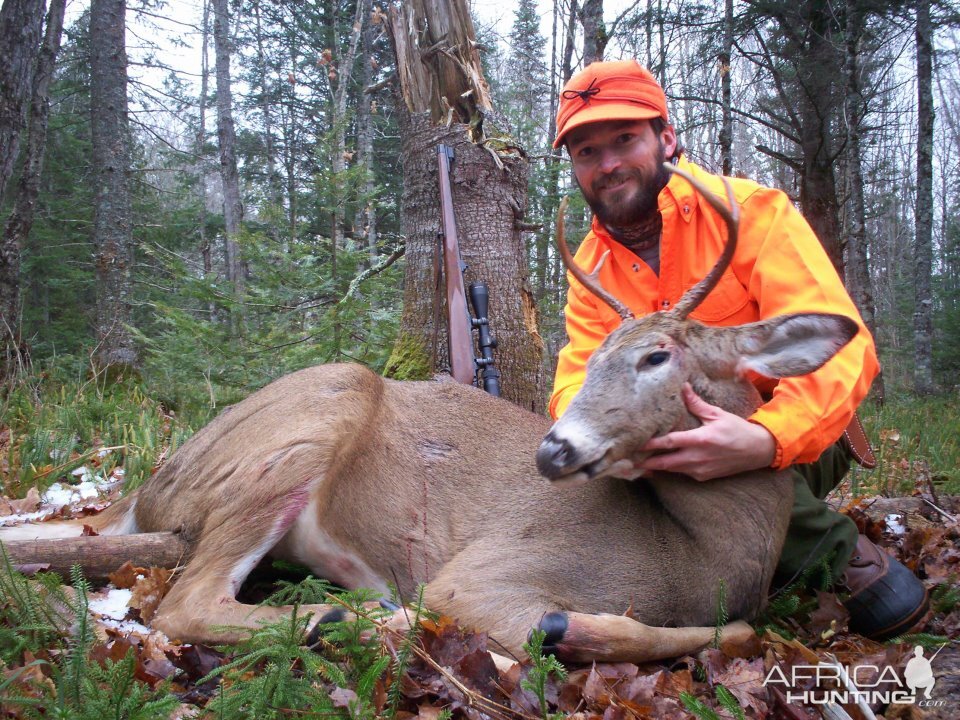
(622, 90)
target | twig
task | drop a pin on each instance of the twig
(851, 688)
(943, 512)
(79, 458)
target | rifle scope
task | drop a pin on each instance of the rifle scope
(487, 374)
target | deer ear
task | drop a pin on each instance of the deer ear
(791, 345)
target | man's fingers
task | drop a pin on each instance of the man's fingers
(671, 441)
(697, 405)
(678, 462)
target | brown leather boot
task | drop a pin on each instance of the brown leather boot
(886, 599)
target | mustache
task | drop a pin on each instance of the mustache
(615, 179)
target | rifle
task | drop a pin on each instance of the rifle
(464, 365)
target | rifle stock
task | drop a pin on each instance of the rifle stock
(459, 324)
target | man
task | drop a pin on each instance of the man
(662, 240)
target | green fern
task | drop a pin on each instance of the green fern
(85, 690)
(275, 673)
(32, 611)
(541, 668)
(698, 708)
(945, 597)
(926, 640)
(729, 703)
(308, 591)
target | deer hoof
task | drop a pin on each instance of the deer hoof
(555, 625)
(335, 615)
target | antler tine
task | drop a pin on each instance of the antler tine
(591, 281)
(731, 214)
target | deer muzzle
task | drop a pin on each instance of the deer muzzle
(561, 462)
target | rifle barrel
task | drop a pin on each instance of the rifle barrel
(460, 329)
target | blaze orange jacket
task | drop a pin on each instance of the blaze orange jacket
(779, 267)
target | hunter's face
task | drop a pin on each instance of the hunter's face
(619, 167)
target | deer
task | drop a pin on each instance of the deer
(370, 482)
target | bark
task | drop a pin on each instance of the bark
(923, 248)
(445, 99)
(20, 221)
(20, 23)
(366, 218)
(226, 135)
(726, 100)
(859, 282)
(201, 141)
(594, 31)
(273, 187)
(818, 188)
(112, 225)
(98, 555)
(807, 87)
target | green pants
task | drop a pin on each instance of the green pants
(815, 530)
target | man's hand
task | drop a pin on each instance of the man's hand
(725, 444)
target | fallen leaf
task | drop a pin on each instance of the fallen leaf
(829, 618)
(125, 576)
(29, 503)
(148, 590)
(343, 697)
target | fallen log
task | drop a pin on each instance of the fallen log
(97, 555)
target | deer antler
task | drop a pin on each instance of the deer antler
(591, 281)
(731, 214)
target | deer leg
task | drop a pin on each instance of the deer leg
(484, 591)
(581, 637)
(202, 606)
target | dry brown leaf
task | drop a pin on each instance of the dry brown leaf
(125, 576)
(744, 679)
(829, 618)
(28, 504)
(343, 697)
(149, 590)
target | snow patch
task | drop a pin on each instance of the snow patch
(895, 523)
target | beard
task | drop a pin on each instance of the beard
(621, 211)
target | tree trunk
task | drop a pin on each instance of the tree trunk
(448, 101)
(858, 278)
(274, 192)
(20, 22)
(818, 185)
(112, 225)
(201, 141)
(923, 253)
(726, 100)
(18, 225)
(226, 134)
(594, 31)
(366, 218)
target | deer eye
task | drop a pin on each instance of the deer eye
(658, 357)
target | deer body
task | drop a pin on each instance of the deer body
(371, 482)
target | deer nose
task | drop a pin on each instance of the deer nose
(555, 456)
